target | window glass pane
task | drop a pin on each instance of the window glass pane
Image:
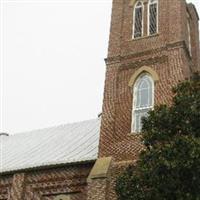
(139, 114)
(144, 93)
(153, 19)
(150, 97)
(189, 38)
(138, 22)
(138, 99)
(137, 122)
(143, 84)
(143, 98)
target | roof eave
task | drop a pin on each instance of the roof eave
(50, 166)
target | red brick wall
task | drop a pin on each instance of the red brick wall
(172, 27)
(46, 184)
(194, 18)
(166, 53)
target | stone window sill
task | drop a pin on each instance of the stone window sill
(145, 37)
(134, 134)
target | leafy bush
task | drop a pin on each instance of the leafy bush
(169, 168)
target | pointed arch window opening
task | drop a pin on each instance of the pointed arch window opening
(153, 17)
(138, 20)
(143, 100)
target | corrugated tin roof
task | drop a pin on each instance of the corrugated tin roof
(69, 143)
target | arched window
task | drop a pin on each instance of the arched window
(138, 20)
(143, 100)
(153, 17)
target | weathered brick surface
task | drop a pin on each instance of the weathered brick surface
(194, 26)
(104, 188)
(116, 169)
(167, 53)
(46, 184)
(5, 186)
(97, 189)
(17, 189)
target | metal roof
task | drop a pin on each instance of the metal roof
(70, 143)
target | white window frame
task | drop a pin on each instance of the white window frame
(135, 90)
(136, 6)
(148, 17)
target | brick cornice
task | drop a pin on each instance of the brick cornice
(132, 2)
(120, 58)
(144, 62)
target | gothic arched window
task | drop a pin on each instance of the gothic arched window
(143, 100)
(153, 17)
(138, 20)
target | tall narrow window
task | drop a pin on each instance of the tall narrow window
(153, 17)
(138, 20)
(143, 100)
(189, 37)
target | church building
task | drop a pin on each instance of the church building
(153, 45)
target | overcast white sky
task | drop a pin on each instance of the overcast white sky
(52, 61)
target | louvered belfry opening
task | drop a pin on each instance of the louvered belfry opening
(153, 13)
(138, 20)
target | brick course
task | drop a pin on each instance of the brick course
(46, 184)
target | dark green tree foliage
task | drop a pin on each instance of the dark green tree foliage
(169, 168)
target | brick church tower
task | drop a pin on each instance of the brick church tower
(153, 45)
